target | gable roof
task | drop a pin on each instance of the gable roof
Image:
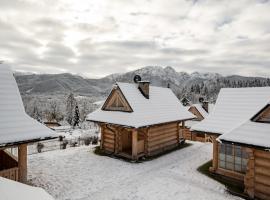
(251, 133)
(15, 125)
(234, 106)
(161, 107)
(200, 109)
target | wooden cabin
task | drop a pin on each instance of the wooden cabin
(52, 124)
(140, 120)
(253, 138)
(241, 141)
(17, 129)
(201, 111)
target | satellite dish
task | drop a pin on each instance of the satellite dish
(201, 99)
(137, 78)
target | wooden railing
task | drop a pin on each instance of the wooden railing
(12, 173)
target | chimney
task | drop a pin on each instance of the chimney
(205, 105)
(144, 88)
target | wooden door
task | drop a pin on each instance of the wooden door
(126, 141)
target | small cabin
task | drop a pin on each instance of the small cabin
(52, 124)
(239, 128)
(17, 129)
(201, 111)
(254, 138)
(139, 120)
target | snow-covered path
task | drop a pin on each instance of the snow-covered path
(79, 174)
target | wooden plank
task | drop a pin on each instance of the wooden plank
(262, 179)
(134, 144)
(110, 141)
(108, 145)
(262, 162)
(162, 127)
(215, 154)
(159, 133)
(160, 137)
(262, 196)
(263, 154)
(261, 188)
(161, 141)
(163, 145)
(109, 134)
(22, 162)
(160, 150)
(263, 171)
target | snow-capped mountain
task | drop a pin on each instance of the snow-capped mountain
(180, 82)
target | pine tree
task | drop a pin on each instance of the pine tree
(70, 108)
(36, 114)
(76, 119)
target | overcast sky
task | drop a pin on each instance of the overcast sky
(99, 37)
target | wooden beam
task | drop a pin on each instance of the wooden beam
(22, 162)
(215, 154)
(134, 144)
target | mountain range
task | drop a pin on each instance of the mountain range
(62, 84)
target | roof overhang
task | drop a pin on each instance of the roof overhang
(12, 144)
(144, 126)
(245, 145)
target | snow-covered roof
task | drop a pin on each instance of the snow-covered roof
(15, 125)
(11, 190)
(251, 133)
(234, 106)
(201, 110)
(161, 107)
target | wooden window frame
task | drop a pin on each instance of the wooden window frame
(243, 157)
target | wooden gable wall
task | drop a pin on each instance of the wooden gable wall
(117, 102)
(263, 116)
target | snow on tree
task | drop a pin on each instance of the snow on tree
(70, 108)
(53, 113)
(36, 113)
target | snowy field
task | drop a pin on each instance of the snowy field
(79, 174)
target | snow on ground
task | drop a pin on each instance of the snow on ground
(79, 174)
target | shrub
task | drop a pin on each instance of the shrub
(95, 140)
(87, 141)
(73, 143)
(63, 145)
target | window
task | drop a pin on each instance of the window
(233, 158)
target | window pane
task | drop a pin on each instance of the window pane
(222, 164)
(222, 157)
(222, 148)
(238, 160)
(229, 158)
(244, 154)
(238, 151)
(229, 150)
(229, 166)
(237, 168)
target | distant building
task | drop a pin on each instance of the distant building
(201, 111)
(52, 124)
(17, 129)
(240, 130)
(140, 120)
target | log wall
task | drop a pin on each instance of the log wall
(108, 139)
(161, 138)
(257, 179)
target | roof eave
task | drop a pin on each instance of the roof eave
(245, 144)
(10, 144)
